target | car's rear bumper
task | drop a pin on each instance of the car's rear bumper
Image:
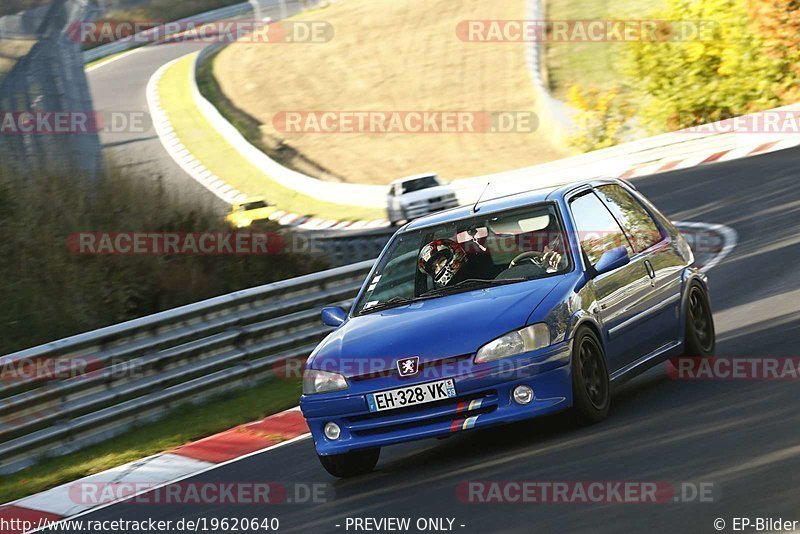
(483, 399)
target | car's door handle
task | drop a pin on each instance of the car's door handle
(650, 272)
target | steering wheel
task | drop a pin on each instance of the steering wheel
(533, 256)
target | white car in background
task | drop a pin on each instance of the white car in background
(418, 195)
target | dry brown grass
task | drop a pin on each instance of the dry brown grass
(393, 55)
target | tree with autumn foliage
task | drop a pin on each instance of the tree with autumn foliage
(723, 71)
(777, 22)
(601, 118)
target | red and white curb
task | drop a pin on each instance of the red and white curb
(710, 156)
(185, 159)
(156, 471)
(305, 222)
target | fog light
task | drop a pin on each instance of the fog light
(523, 394)
(332, 431)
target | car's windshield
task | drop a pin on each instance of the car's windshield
(255, 205)
(485, 250)
(419, 184)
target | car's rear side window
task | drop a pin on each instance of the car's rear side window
(598, 231)
(637, 221)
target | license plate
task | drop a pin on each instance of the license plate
(411, 395)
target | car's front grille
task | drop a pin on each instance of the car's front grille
(433, 369)
(445, 410)
(431, 207)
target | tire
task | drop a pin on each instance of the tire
(351, 464)
(591, 384)
(700, 338)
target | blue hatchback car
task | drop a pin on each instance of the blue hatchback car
(510, 309)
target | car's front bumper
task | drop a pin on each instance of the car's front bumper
(415, 211)
(483, 399)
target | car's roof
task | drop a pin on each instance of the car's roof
(503, 203)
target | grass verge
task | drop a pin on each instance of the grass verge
(182, 425)
(222, 159)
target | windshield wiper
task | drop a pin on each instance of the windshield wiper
(471, 283)
(391, 303)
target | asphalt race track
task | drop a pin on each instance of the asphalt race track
(120, 87)
(742, 436)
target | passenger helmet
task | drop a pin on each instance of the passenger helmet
(441, 260)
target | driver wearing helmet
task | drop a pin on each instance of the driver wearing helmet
(442, 260)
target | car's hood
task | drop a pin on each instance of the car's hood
(424, 194)
(434, 329)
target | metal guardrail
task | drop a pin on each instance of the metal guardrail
(65, 395)
(346, 249)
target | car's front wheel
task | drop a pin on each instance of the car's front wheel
(351, 464)
(591, 386)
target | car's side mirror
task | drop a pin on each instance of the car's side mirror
(333, 316)
(611, 260)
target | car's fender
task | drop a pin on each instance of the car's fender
(582, 318)
(571, 305)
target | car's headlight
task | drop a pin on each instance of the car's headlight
(530, 338)
(315, 381)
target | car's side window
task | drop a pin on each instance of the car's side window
(636, 220)
(598, 231)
